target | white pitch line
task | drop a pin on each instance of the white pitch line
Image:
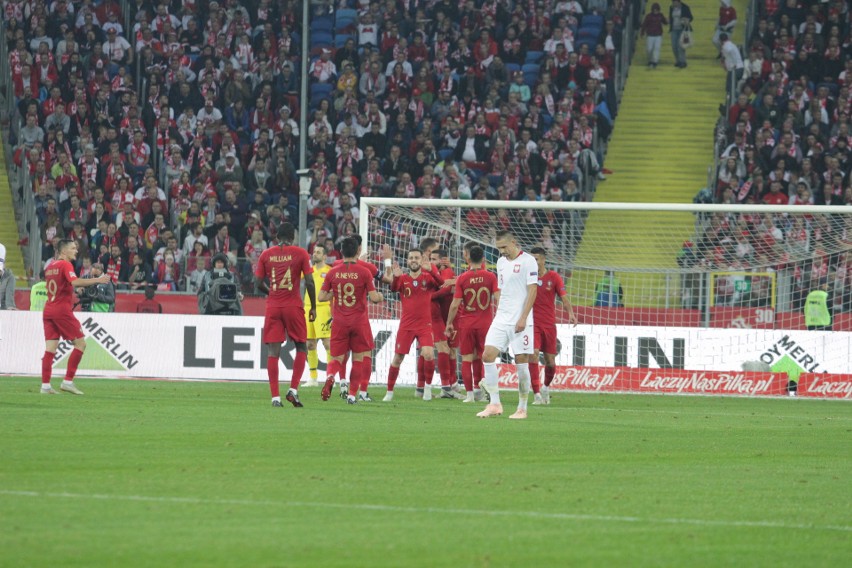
(429, 510)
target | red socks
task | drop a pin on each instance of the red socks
(333, 368)
(454, 371)
(429, 370)
(421, 375)
(46, 367)
(366, 371)
(549, 373)
(392, 376)
(73, 363)
(298, 369)
(443, 370)
(272, 373)
(467, 375)
(535, 378)
(478, 372)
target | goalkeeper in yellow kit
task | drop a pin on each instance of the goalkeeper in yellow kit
(320, 328)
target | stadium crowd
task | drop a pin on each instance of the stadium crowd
(163, 144)
(786, 140)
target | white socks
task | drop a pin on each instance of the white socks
(524, 382)
(491, 381)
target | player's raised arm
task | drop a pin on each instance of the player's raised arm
(387, 255)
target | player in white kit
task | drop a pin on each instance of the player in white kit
(517, 283)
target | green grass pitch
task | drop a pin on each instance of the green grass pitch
(139, 473)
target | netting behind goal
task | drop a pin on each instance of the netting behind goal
(689, 287)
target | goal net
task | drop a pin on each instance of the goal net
(677, 288)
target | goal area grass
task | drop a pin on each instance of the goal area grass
(153, 473)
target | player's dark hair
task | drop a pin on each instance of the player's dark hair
(320, 246)
(349, 247)
(358, 238)
(415, 249)
(476, 254)
(60, 246)
(538, 250)
(440, 252)
(505, 235)
(428, 243)
(286, 232)
(469, 245)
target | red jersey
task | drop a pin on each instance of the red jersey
(374, 270)
(415, 295)
(475, 288)
(442, 299)
(284, 266)
(349, 283)
(60, 293)
(550, 285)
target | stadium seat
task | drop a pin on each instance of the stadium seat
(531, 68)
(531, 79)
(344, 18)
(588, 33)
(512, 67)
(341, 39)
(534, 56)
(317, 99)
(321, 89)
(592, 20)
(322, 25)
(445, 153)
(321, 40)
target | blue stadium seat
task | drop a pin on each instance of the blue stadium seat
(445, 153)
(512, 67)
(317, 99)
(321, 40)
(531, 68)
(592, 20)
(321, 89)
(341, 39)
(344, 18)
(322, 25)
(531, 79)
(588, 33)
(534, 56)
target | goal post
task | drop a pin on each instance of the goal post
(639, 272)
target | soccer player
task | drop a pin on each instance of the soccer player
(517, 283)
(550, 287)
(348, 285)
(424, 381)
(444, 297)
(415, 294)
(58, 316)
(374, 271)
(470, 316)
(285, 265)
(319, 329)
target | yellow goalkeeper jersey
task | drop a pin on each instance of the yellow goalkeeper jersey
(319, 275)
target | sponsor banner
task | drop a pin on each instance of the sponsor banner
(231, 348)
(824, 385)
(671, 381)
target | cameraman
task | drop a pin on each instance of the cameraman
(100, 297)
(219, 292)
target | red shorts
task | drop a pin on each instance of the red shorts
(62, 326)
(281, 323)
(405, 337)
(471, 339)
(544, 339)
(346, 338)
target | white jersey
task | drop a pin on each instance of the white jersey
(513, 277)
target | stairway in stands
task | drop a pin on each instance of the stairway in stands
(659, 152)
(8, 227)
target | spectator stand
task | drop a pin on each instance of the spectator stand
(607, 25)
(786, 124)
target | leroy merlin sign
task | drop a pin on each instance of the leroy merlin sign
(786, 355)
(104, 352)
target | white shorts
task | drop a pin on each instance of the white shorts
(503, 336)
